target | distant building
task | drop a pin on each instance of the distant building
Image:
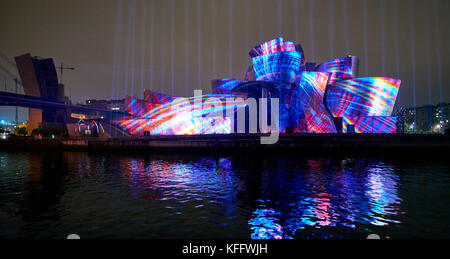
(116, 105)
(112, 105)
(428, 118)
(101, 104)
(400, 114)
(39, 79)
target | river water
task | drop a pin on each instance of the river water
(113, 195)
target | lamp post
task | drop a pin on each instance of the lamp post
(17, 116)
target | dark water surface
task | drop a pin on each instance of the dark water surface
(51, 195)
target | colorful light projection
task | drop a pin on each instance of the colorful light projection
(81, 126)
(368, 96)
(308, 98)
(225, 86)
(273, 46)
(264, 225)
(97, 127)
(275, 60)
(186, 116)
(138, 108)
(288, 117)
(187, 126)
(89, 129)
(158, 98)
(299, 48)
(250, 74)
(280, 66)
(342, 68)
(371, 124)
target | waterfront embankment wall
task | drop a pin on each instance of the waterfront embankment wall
(298, 143)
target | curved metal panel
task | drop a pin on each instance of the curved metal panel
(184, 116)
(279, 67)
(368, 96)
(273, 46)
(250, 74)
(342, 68)
(224, 86)
(372, 124)
(307, 104)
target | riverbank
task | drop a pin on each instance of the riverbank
(298, 143)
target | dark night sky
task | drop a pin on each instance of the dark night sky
(124, 46)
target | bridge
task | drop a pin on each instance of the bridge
(27, 101)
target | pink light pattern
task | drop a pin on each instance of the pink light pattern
(225, 86)
(371, 124)
(138, 108)
(369, 96)
(191, 126)
(273, 46)
(310, 92)
(280, 66)
(342, 68)
(309, 100)
(185, 116)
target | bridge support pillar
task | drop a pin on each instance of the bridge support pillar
(34, 119)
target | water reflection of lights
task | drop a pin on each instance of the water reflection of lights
(382, 193)
(206, 180)
(265, 225)
(360, 194)
(321, 197)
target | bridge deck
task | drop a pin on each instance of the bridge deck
(27, 101)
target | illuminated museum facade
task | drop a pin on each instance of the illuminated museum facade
(327, 98)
